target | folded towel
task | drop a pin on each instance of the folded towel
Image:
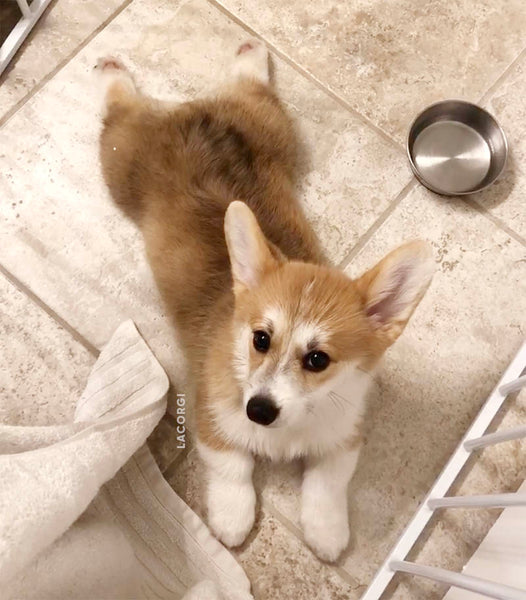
(137, 539)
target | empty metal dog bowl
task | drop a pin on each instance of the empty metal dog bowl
(456, 147)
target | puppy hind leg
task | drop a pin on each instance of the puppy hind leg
(116, 82)
(251, 61)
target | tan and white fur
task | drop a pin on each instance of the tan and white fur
(281, 345)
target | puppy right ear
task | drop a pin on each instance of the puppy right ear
(250, 255)
(394, 287)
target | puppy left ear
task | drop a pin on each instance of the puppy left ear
(250, 253)
(394, 287)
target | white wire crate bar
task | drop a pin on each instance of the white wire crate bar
(489, 501)
(30, 15)
(495, 438)
(475, 438)
(466, 582)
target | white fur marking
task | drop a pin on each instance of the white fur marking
(110, 70)
(241, 361)
(231, 498)
(307, 332)
(324, 503)
(277, 317)
(252, 61)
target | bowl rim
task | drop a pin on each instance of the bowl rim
(415, 169)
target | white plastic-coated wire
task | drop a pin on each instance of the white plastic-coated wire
(490, 439)
(26, 11)
(486, 501)
(513, 386)
(466, 582)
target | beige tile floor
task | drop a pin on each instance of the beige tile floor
(353, 73)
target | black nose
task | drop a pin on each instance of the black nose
(262, 410)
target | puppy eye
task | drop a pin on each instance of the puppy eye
(261, 341)
(316, 361)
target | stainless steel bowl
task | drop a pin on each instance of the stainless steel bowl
(456, 147)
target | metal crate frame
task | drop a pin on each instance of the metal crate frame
(475, 438)
(30, 15)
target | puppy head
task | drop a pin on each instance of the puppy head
(301, 331)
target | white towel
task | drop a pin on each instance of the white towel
(137, 539)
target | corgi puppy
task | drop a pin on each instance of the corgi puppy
(281, 345)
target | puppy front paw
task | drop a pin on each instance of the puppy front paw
(326, 531)
(231, 511)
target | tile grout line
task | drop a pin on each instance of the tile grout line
(495, 220)
(473, 202)
(297, 533)
(23, 288)
(502, 77)
(308, 75)
(14, 109)
(365, 237)
(285, 521)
